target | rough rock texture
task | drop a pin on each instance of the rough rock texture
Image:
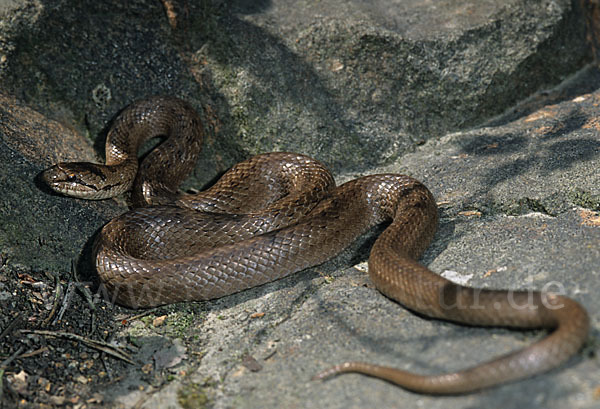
(353, 83)
(456, 93)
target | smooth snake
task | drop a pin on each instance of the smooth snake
(279, 213)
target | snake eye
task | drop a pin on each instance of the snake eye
(71, 177)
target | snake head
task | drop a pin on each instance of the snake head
(81, 179)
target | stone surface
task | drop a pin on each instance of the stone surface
(519, 206)
(353, 83)
(455, 93)
(35, 230)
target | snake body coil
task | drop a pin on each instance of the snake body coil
(279, 213)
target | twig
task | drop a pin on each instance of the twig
(85, 291)
(10, 327)
(66, 302)
(11, 358)
(93, 323)
(170, 12)
(102, 358)
(143, 314)
(1, 386)
(34, 353)
(106, 368)
(74, 273)
(111, 350)
(87, 294)
(57, 295)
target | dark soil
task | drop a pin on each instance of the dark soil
(50, 355)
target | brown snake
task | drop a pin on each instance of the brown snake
(280, 213)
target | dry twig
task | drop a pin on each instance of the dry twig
(109, 349)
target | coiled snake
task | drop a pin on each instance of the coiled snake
(279, 213)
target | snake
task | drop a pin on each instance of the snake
(279, 213)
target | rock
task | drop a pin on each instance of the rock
(355, 84)
(364, 82)
(37, 228)
(545, 157)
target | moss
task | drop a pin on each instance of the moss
(196, 395)
(179, 323)
(522, 206)
(585, 199)
(531, 205)
(137, 330)
(192, 396)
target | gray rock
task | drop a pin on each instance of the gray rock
(318, 320)
(355, 84)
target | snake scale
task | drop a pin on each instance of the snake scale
(279, 213)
